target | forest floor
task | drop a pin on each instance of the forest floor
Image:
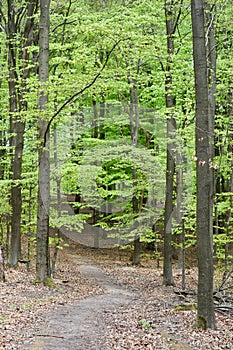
(101, 302)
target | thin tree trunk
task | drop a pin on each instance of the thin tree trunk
(17, 104)
(29, 227)
(95, 121)
(2, 266)
(57, 235)
(16, 129)
(211, 70)
(134, 126)
(101, 120)
(43, 256)
(137, 243)
(205, 312)
(229, 234)
(170, 167)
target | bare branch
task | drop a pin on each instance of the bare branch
(62, 24)
(67, 102)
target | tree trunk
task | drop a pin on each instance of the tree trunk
(170, 167)
(205, 312)
(17, 52)
(137, 251)
(134, 126)
(101, 120)
(43, 258)
(16, 130)
(211, 71)
(95, 121)
(57, 234)
(2, 266)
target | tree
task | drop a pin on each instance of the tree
(134, 129)
(20, 25)
(174, 186)
(171, 129)
(223, 219)
(205, 313)
(43, 256)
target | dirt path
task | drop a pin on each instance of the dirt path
(82, 326)
(134, 313)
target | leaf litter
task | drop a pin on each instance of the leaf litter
(149, 321)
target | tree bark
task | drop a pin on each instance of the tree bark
(43, 256)
(2, 266)
(205, 312)
(17, 52)
(16, 139)
(134, 126)
(57, 233)
(170, 167)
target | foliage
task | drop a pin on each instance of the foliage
(100, 169)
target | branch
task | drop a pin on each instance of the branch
(50, 335)
(61, 24)
(177, 18)
(3, 18)
(80, 91)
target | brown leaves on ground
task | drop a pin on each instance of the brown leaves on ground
(153, 322)
(150, 321)
(24, 303)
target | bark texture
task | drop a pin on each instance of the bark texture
(19, 41)
(205, 313)
(170, 167)
(43, 256)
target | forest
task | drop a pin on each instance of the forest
(116, 134)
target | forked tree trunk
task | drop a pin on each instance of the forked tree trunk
(205, 312)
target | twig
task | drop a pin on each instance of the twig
(185, 292)
(50, 335)
(226, 276)
(222, 312)
(225, 288)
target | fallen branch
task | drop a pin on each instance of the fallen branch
(226, 276)
(182, 292)
(225, 309)
(50, 336)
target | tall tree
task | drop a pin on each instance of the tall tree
(210, 15)
(20, 24)
(173, 12)
(134, 129)
(171, 128)
(43, 256)
(205, 313)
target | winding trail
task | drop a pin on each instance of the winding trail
(82, 326)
